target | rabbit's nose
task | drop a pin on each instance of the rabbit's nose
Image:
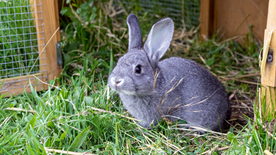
(117, 81)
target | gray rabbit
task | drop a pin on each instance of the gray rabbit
(173, 89)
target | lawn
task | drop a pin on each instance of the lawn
(79, 113)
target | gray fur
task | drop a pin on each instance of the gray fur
(135, 35)
(172, 88)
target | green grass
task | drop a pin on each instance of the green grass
(17, 51)
(82, 114)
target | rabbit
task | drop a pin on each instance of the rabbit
(173, 89)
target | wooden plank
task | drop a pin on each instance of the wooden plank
(233, 17)
(14, 85)
(51, 24)
(38, 86)
(206, 18)
(26, 77)
(271, 22)
(268, 95)
(268, 72)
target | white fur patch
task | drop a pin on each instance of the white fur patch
(128, 92)
(112, 81)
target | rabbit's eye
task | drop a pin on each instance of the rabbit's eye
(138, 69)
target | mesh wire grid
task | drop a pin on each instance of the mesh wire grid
(19, 49)
(189, 10)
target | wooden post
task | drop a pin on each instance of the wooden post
(206, 18)
(268, 66)
(51, 24)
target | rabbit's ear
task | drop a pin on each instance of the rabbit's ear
(159, 39)
(135, 36)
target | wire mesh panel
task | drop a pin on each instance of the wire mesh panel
(185, 13)
(21, 42)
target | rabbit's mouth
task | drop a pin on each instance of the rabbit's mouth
(135, 93)
(130, 93)
(127, 92)
(118, 90)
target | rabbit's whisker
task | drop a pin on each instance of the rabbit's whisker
(173, 104)
(155, 78)
(165, 95)
(176, 84)
(202, 100)
(185, 111)
(193, 98)
(172, 88)
(144, 97)
(159, 108)
(185, 101)
(171, 116)
(193, 103)
(154, 82)
(165, 86)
